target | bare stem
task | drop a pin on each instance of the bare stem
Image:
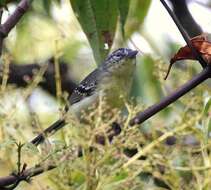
(184, 35)
(27, 174)
(12, 20)
(198, 79)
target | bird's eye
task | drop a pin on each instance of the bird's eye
(118, 56)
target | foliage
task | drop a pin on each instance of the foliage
(170, 151)
(98, 20)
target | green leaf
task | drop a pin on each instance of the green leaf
(98, 20)
(47, 5)
(207, 107)
(121, 175)
(3, 3)
(123, 11)
(205, 114)
(137, 13)
(209, 129)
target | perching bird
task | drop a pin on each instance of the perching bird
(112, 79)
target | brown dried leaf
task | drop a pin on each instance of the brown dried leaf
(200, 43)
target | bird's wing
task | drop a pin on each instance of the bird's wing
(86, 87)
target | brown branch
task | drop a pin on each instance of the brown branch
(185, 35)
(13, 180)
(20, 74)
(12, 20)
(180, 9)
(16, 76)
(198, 79)
(149, 112)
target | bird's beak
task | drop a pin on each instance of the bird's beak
(132, 54)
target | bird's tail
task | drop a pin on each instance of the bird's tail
(51, 129)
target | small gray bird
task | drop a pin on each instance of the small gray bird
(112, 79)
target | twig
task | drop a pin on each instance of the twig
(27, 174)
(198, 79)
(196, 168)
(19, 75)
(154, 143)
(50, 130)
(13, 19)
(180, 9)
(185, 35)
(5, 28)
(19, 147)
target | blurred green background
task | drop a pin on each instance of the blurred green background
(82, 33)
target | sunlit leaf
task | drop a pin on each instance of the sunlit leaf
(98, 20)
(207, 107)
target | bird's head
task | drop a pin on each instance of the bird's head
(119, 60)
(116, 76)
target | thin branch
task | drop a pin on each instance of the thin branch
(13, 19)
(195, 81)
(7, 181)
(185, 35)
(27, 174)
(198, 79)
(20, 74)
(49, 131)
(5, 28)
(180, 9)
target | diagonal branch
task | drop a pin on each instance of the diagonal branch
(20, 74)
(13, 19)
(184, 35)
(195, 81)
(198, 79)
(143, 116)
(7, 181)
(49, 131)
(180, 9)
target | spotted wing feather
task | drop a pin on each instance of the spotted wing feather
(86, 87)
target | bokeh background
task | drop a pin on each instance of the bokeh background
(51, 29)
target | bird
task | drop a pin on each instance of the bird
(112, 80)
